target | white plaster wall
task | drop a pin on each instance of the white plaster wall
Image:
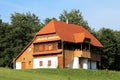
(75, 63)
(18, 65)
(54, 62)
(84, 63)
(89, 64)
(93, 65)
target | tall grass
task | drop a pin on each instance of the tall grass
(58, 74)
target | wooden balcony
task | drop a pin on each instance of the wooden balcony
(86, 54)
(82, 53)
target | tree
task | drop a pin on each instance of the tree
(15, 36)
(74, 17)
(5, 53)
(47, 20)
(24, 28)
(25, 21)
(108, 39)
(116, 63)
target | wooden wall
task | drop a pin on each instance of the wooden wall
(48, 46)
(26, 58)
(82, 53)
(68, 57)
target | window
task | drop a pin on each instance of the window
(30, 62)
(41, 63)
(41, 48)
(55, 46)
(48, 47)
(36, 48)
(49, 62)
(24, 58)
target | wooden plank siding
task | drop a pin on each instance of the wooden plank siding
(68, 57)
(48, 52)
(95, 57)
(26, 58)
(23, 65)
(42, 47)
(47, 38)
(82, 53)
(60, 61)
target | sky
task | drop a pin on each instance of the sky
(98, 13)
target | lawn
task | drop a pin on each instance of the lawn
(58, 74)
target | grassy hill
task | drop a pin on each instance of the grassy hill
(58, 74)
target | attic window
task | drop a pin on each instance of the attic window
(24, 58)
(30, 62)
(87, 40)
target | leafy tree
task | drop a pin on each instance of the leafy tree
(74, 17)
(5, 53)
(47, 20)
(116, 63)
(15, 36)
(25, 21)
(108, 39)
(24, 28)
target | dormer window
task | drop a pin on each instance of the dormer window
(87, 40)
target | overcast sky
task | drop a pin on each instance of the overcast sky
(98, 13)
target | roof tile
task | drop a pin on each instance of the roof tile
(69, 32)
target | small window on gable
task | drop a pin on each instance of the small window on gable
(40, 63)
(49, 62)
(24, 58)
(30, 62)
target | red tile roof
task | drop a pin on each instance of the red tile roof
(69, 32)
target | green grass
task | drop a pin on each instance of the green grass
(58, 74)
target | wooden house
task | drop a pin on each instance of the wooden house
(61, 45)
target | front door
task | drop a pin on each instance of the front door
(23, 65)
(60, 62)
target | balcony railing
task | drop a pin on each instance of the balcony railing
(86, 54)
(82, 53)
